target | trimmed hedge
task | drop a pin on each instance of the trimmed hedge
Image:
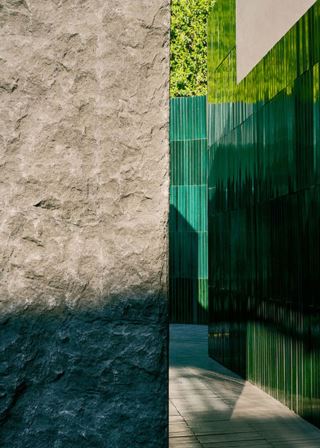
(188, 63)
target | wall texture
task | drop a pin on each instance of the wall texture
(83, 222)
(264, 211)
(188, 210)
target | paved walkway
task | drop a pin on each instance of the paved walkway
(212, 407)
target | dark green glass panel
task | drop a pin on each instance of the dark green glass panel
(188, 225)
(264, 211)
(188, 300)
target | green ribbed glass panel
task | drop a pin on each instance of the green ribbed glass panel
(188, 226)
(188, 164)
(264, 211)
(188, 118)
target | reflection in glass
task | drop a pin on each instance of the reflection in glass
(264, 211)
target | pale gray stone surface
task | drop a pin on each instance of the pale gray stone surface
(260, 25)
(83, 222)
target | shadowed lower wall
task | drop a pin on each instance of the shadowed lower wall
(83, 223)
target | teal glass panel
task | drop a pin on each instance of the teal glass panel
(264, 211)
(188, 118)
(188, 224)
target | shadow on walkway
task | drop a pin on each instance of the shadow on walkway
(210, 406)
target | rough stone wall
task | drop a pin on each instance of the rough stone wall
(83, 223)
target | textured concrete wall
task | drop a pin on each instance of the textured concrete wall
(83, 223)
(260, 25)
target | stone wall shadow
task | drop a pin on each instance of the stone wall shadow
(89, 377)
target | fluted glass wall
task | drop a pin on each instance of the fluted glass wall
(264, 211)
(188, 211)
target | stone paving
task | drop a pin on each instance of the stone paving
(210, 406)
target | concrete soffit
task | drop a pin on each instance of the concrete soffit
(260, 25)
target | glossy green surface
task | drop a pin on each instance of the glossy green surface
(264, 211)
(188, 237)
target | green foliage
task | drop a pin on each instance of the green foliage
(188, 63)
